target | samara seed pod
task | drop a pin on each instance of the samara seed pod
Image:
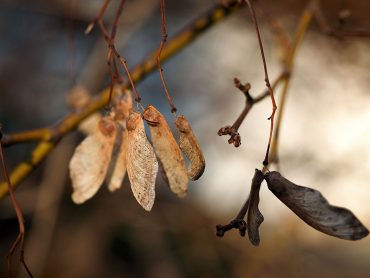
(142, 164)
(168, 151)
(89, 163)
(315, 210)
(254, 216)
(118, 164)
(191, 149)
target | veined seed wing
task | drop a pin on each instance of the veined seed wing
(191, 149)
(89, 163)
(315, 210)
(142, 164)
(167, 150)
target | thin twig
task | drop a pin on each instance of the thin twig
(163, 41)
(98, 19)
(267, 81)
(276, 27)
(250, 101)
(20, 238)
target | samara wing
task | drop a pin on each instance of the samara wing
(191, 149)
(142, 164)
(168, 151)
(315, 210)
(89, 163)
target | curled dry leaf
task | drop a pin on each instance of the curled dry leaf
(315, 210)
(254, 217)
(190, 147)
(89, 163)
(142, 164)
(168, 151)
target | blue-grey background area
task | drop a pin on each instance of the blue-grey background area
(324, 142)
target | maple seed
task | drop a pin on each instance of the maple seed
(168, 151)
(191, 149)
(254, 216)
(142, 164)
(89, 163)
(315, 210)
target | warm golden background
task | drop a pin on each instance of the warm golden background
(324, 143)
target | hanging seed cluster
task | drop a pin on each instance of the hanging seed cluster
(119, 144)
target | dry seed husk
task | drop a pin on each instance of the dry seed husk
(168, 151)
(118, 161)
(315, 210)
(254, 217)
(122, 105)
(89, 163)
(142, 164)
(191, 149)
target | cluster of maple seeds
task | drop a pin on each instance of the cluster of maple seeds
(117, 143)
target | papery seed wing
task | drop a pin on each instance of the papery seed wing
(254, 217)
(90, 161)
(142, 165)
(118, 165)
(191, 149)
(315, 210)
(167, 151)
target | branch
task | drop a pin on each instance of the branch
(250, 101)
(215, 14)
(301, 30)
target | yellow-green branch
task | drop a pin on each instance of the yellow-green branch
(301, 30)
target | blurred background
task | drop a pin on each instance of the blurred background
(324, 142)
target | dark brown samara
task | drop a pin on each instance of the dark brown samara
(314, 209)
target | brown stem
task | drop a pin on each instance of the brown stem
(250, 101)
(267, 81)
(276, 26)
(163, 41)
(20, 238)
(98, 18)
(113, 51)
